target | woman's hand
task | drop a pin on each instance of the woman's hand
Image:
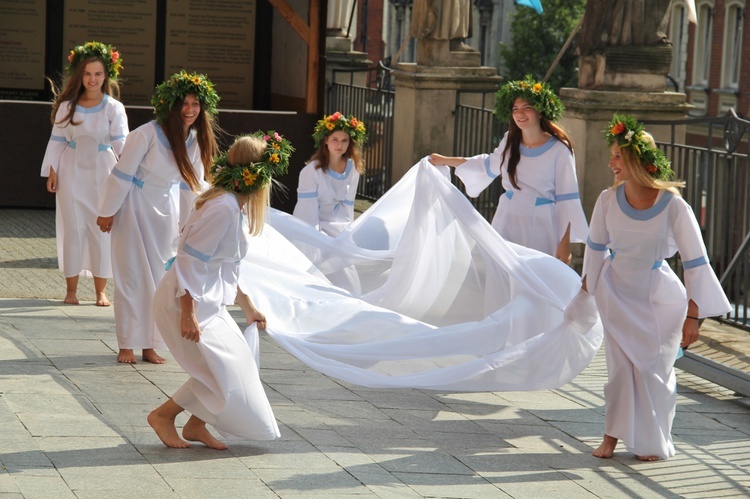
(189, 328)
(255, 316)
(691, 326)
(52, 181)
(563, 252)
(105, 223)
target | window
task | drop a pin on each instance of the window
(732, 46)
(702, 68)
(678, 36)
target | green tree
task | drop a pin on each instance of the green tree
(536, 40)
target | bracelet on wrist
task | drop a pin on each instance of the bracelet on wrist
(691, 317)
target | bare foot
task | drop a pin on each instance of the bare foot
(126, 356)
(150, 355)
(648, 458)
(71, 298)
(101, 300)
(166, 431)
(607, 448)
(195, 430)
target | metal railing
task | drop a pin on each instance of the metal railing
(369, 95)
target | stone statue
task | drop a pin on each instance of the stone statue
(439, 26)
(623, 45)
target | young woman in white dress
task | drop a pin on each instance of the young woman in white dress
(328, 183)
(541, 206)
(647, 312)
(177, 147)
(190, 304)
(88, 134)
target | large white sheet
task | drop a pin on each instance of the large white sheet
(430, 297)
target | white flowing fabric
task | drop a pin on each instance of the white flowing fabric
(434, 297)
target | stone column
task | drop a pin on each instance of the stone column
(339, 53)
(587, 113)
(425, 107)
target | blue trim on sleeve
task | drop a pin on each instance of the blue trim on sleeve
(642, 215)
(347, 202)
(195, 253)
(487, 168)
(307, 195)
(567, 197)
(533, 152)
(657, 264)
(695, 262)
(118, 137)
(58, 138)
(595, 246)
(120, 174)
(103, 147)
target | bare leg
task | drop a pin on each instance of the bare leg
(162, 419)
(150, 355)
(100, 285)
(648, 458)
(126, 356)
(195, 430)
(71, 285)
(607, 448)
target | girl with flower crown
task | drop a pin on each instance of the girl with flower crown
(137, 207)
(190, 303)
(328, 183)
(541, 206)
(646, 311)
(89, 126)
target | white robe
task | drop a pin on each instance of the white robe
(145, 227)
(82, 156)
(444, 302)
(643, 305)
(224, 388)
(537, 215)
(325, 199)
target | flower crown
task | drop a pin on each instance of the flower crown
(244, 179)
(177, 87)
(106, 53)
(539, 95)
(337, 121)
(628, 132)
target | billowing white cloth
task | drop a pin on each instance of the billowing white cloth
(643, 304)
(325, 199)
(426, 265)
(537, 215)
(82, 155)
(145, 227)
(224, 388)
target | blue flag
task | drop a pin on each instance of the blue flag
(534, 4)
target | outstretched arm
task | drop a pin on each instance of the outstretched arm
(439, 160)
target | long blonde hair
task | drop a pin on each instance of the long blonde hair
(640, 173)
(245, 150)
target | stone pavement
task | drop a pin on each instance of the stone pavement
(73, 421)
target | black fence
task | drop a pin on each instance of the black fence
(368, 94)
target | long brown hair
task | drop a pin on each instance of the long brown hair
(513, 143)
(206, 129)
(72, 90)
(353, 152)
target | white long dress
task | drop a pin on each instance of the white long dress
(145, 227)
(643, 305)
(537, 215)
(426, 261)
(83, 155)
(325, 199)
(224, 388)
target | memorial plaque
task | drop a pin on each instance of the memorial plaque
(128, 25)
(216, 38)
(22, 39)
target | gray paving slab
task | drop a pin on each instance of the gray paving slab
(72, 421)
